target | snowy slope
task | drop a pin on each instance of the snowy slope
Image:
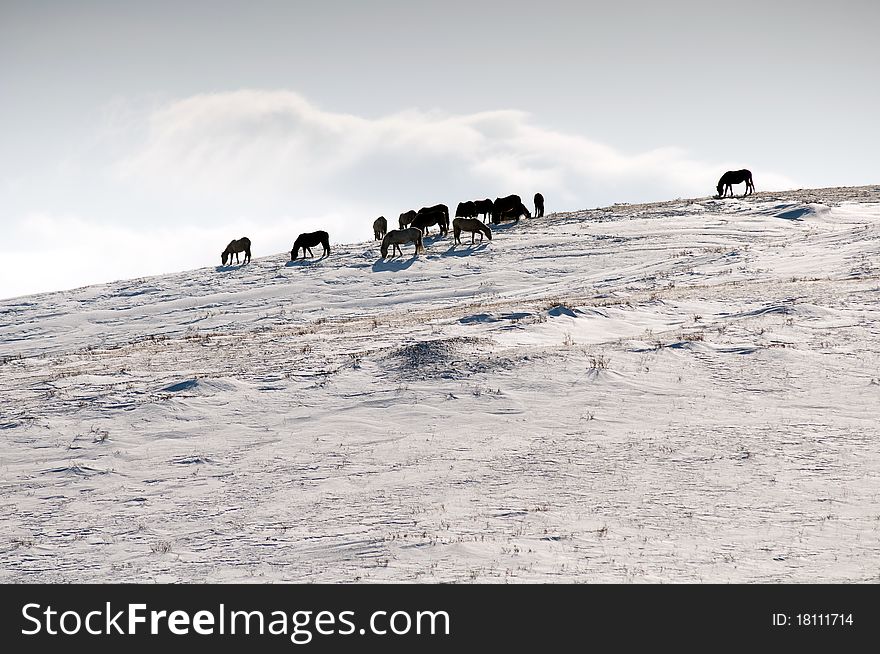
(682, 391)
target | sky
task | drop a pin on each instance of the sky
(140, 138)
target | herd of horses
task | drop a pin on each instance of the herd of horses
(414, 225)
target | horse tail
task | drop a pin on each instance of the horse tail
(456, 232)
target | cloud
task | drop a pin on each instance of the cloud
(244, 143)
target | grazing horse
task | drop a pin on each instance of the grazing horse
(732, 177)
(515, 212)
(483, 207)
(380, 227)
(539, 205)
(472, 225)
(398, 237)
(241, 245)
(428, 218)
(438, 207)
(466, 210)
(309, 240)
(406, 218)
(508, 207)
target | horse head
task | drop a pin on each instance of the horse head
(223, 256)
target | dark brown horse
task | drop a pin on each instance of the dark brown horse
(472, 225)
(484, 207)
(240, 245)
(380, 227)
(309, 240)
(539, 205)
(508, 207)
(444, 224)
(429, 218)
(732, 177)
(406, 218)
(466, 210)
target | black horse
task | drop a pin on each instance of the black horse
(309, 240)
(406, 218)
(240, 245)
(428, 218)
(508, 207)
(539, 205)
(732, 177)
(466, 210)
(484, 207)
(443, 222)
(380, 227)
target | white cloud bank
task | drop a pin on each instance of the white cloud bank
(276, 142)
(270, 164)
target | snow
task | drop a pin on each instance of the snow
(681, 391)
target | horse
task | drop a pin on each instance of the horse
(398, 237)
(406, 218)
(466, 210)
(438, 207)
(435, 217)
(508, 207)
(515, 212)
(472, 225)
(241, 245)
(539, 205)
(483, 207)
(732, 177)
(380, 227)
(309, 240)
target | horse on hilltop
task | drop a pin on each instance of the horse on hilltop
(398, 237)
(429, 218)
(380, 228)
(509, 207)
(732, 177)
(472, 225)
(539, 205)
(444, 224)
(309, 240)
(466, 210)
(235, 246)
(406, 218)
(484, 207)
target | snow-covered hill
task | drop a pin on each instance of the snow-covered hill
(681, 391)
